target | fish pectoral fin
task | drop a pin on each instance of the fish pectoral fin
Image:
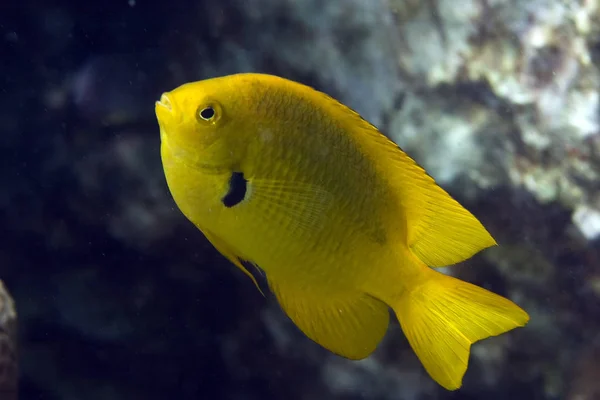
(230, 255)
(296, 206)
(351, 325)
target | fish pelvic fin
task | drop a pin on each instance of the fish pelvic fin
(350, 325)
(442, 317)
(231, 256)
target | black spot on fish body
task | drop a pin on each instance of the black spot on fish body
(238, 186)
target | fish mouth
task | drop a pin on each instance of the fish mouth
(164, 108)
(164, 114)
(164, 102)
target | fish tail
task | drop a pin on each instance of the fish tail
(442, 316)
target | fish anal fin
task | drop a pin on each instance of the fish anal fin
(350, 325)
(230, 255)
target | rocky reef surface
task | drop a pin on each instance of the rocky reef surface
(119, 297)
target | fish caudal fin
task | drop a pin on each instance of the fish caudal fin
(350, 326)
(442, 317)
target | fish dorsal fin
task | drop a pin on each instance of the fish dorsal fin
(440, 231)
(230, 255)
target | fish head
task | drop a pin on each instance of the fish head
(202, 124)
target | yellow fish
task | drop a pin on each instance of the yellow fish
(343, 223)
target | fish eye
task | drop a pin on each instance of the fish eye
(206, 113)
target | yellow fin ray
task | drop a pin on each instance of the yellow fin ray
(230, 255)
(440, 231)
(350, 326)
(297, 206)
(443, 316)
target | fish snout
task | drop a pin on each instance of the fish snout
(164, 108)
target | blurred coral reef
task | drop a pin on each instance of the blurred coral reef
(119, 297)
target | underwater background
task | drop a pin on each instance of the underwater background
(118, 296)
